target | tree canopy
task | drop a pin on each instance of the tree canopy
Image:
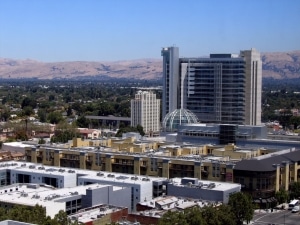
(35, 215)
(241, 205)
(238, 210)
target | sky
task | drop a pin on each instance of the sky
(112, 30)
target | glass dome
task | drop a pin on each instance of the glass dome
(179, 116)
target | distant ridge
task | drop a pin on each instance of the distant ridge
(277, 65)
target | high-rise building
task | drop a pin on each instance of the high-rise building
(222, 88)
(145, 111)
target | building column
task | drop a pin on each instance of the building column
(108, 164)
(277, 178)
(82, 159)
(166, 169)
(57, 157)
(286, 175)
(295, 171)
(44, 161)
(197, 170)
(137, 167)
(277, 182)
(33, 155)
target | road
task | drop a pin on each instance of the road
(284, 217)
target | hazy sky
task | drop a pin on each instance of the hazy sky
(106, 30)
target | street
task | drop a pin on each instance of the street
(284, 217)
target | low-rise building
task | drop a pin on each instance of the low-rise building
(203, 190)
(100, 215)
(69, 200)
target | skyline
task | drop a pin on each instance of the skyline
(53, 31)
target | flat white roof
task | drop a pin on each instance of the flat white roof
(32, 194)
(218, 186)
(64, 171)
(90, 214)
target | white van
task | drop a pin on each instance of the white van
(293, 203)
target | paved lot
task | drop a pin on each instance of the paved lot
(282, 217)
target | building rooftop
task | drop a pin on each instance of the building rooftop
(45, 195)
(268, 162)
(64, 171)
(203, 184)
(88, 215)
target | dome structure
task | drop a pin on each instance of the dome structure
(177, 117)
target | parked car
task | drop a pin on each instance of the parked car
(296, 209)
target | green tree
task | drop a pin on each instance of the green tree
(55, 117)
(295, 121)
(27, 111)
(295, 190)
(69, 111)
(140, 129)
(194, 217)
(282, 196)
(29, 102)
(42, 141)
(82, 121)
(5, 114)
(171, 218)
(61, 218)
(241, 206)
(64, 132)
(215, 216)
(42, 115)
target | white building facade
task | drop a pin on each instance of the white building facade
(145, 111)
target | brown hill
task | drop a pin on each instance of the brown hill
(281, 65)
(138, 69)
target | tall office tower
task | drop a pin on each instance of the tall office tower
(145, 111)
(224, 88)
(253, 86)
(170, 99)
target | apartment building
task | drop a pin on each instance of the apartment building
(211, 162)
(145, 111)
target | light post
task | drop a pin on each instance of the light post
(260, 202)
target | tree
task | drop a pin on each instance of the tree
(61, 218)
(241, 206)
(194, 217)
(295, 121)
(29, 102)
(281, 196)
(64, 132)
(140, 129)
(82, 122)
(35, 215)
(69, 111)
(171, 218)
(27, 111)
(295, 190)
(5, 114)
(21, 135)
(55, 117)
(41, 141)
(42, 115)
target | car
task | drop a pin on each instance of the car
(296, 209)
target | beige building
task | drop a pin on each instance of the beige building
(145, 111)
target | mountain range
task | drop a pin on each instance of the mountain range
(277, 65)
